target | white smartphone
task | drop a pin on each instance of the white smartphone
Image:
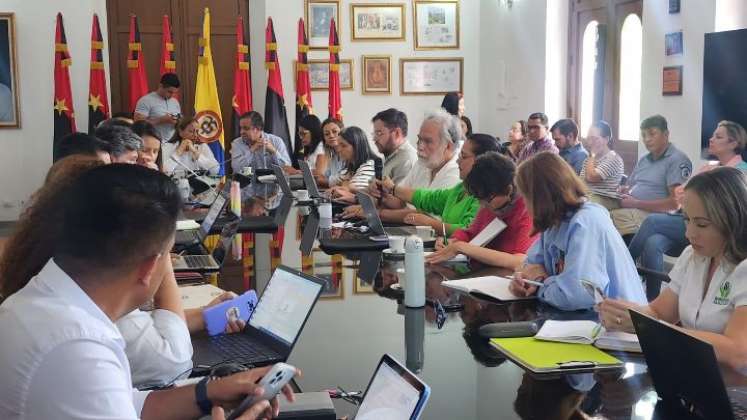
(272, 383)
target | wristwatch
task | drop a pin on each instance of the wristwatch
(201, 397)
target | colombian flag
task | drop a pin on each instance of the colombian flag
(207, 106)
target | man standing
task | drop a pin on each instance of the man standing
(61, 355)
(651, 186)
(160, 108)
(537, 136)
(257, 150)
(565, 134)
(390, 137)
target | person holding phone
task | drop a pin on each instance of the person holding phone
(577, 240)
(161, 107)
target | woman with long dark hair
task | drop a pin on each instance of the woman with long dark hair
(311, 145)
(330, 175)
(355, 151)
(186, 148)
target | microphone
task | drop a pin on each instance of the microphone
(198, 186)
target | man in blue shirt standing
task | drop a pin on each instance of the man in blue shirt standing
(256, 149)
(565, 134)
(651, 186)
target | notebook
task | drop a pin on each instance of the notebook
(458, 258)
(588, 332)
(540, 356)
(487, 287)
(488, 233)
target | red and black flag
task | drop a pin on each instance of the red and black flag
(98, 101)
(168, 54)
(276, 119)
(242, 79)
(136, 65)
(64, 116)
(335, 101)
(303, 86)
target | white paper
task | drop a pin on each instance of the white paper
(456, 258)
(492, 286)
(187, 225)
(199, 295)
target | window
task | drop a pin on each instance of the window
(588, 71)
(631, 52)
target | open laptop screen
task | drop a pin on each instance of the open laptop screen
(212, 214)
(284, 306)
(308, 180)
(394, 393)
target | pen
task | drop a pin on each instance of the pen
(443, 228)
(533, 283)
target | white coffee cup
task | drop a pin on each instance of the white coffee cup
(246, 171)
(302, 195)
(397, 244)
(426, 233)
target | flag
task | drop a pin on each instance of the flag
(335, 102)
(276, 120)
(136, 65)
(242, 79)
(168, 54)
(64, 116)
(207, 105)
(303, 87)
(98, 101)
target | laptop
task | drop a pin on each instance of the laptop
(374, 221)
(272, 329)
(308, 180)
(394, 393)
(196, 236)
(267, 223)
(214, 261)
(685, 371)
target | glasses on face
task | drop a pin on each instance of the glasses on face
(303, 133)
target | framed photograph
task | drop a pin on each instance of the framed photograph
(319, 74)
(672, 81)
(377, 74)
(430, 76)
(674, 6)
(377, 22)
(9, 106)
(360, 286)
(673, 43)
(436, 24)
(318, 15)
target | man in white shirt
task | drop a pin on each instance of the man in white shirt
(436, 167)
(61, 355)
(160, 107)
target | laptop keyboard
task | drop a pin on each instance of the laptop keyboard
(236, 348)
(185, 236)
(198, 261)
(740, 411)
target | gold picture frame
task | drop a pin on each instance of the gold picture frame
(317, 14)
(436, 24)
(10, 117)
(431, 76)
(359, 288)
(319, 74)
(377, 22)
(374, 67)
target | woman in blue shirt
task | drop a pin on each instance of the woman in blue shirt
(578, 241)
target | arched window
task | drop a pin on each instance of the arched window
(631, 53)
(588, 73)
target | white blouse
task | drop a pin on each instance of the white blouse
(312, 157)
(727, 290)
(205, 161)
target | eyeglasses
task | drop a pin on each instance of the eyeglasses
(462, 156)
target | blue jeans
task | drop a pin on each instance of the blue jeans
(660, 233)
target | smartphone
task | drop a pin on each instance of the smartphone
(273, 382)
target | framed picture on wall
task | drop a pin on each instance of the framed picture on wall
(9, 106)
(430, 76)
(318, 16)
(377, 74)
(360, 286)
(436, 24)
(319, 74)
(672, 81)
(673, 43)
(377, 22)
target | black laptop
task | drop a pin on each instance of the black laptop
(374, 221)
(214, 261)
(308, 180)
(196, 236)
(685, 371)
(272, 329)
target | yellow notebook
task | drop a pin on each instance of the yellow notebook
(551, 357)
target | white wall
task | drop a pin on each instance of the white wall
(358, 109)
(512, 67)
(27, 152)
(684, 112)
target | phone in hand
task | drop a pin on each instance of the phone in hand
(272, 383)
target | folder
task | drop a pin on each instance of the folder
(540, 356)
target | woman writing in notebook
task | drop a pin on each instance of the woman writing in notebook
(578, 240)
(707, 294)
(491, 182)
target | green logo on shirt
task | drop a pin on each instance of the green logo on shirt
(723, 294)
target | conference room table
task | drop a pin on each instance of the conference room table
(356, 321)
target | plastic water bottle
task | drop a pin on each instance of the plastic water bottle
(184, 189)
(414, 272)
